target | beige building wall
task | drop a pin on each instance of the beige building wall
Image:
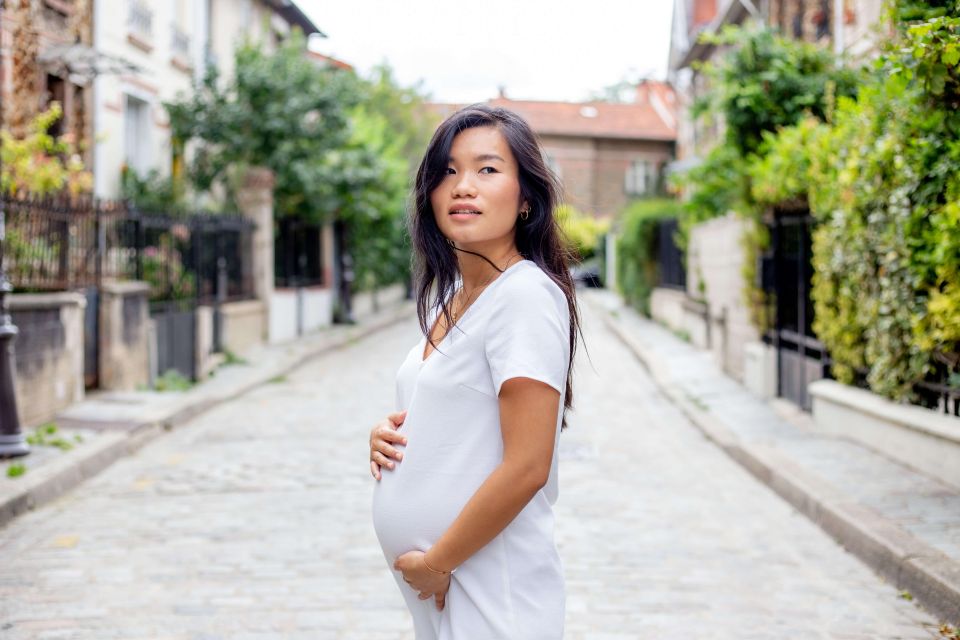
(165, 39)
(172, 42)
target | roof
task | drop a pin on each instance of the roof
(587, 119)
(294, 15)
(330, 60)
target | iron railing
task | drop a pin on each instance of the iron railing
(60, 244)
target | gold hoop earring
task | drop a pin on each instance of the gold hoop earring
(524, 214)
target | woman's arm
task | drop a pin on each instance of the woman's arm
(528, 422)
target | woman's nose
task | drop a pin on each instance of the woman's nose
(464, 186)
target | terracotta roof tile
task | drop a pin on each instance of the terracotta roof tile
(588, 119)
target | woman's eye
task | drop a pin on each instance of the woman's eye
(488, 170)
(449, 171)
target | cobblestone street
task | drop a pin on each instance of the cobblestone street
(253, 522)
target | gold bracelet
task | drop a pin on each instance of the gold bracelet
(442, 573)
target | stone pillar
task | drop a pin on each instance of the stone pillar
(124, 335)
(255, 199)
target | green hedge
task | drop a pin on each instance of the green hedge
(636, 242)
(882, 179)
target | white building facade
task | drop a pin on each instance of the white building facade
(171, 42)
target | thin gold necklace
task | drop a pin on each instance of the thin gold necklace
(465, 305)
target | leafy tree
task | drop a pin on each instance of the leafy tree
(767, 81)
(341, 147)
(280, 111)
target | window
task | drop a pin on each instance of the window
(57, 92)
(139, 17)
(640, 179)
(136, 128)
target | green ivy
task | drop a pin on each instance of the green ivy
(762, 85)
(883, 181)
(715, 187)
(766, 81)
(636, 244)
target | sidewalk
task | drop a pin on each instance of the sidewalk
(901, 523)
(107, 425)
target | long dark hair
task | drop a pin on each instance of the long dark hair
(538, 238)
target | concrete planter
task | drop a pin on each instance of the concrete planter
(695, 323)
(244, 325)
(666, 307)
(920, 438)
(760, 369)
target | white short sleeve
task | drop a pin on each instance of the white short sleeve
(528, 332)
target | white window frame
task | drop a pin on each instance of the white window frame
(137, 133)
(640, 178)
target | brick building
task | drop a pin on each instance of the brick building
(604, 153)
(38, 41)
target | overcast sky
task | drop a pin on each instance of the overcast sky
(536, 49)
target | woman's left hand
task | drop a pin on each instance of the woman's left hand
(420, 578)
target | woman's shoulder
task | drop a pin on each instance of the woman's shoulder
(529, 285)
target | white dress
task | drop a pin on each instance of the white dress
(511, 589)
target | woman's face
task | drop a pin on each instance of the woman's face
(477, 202)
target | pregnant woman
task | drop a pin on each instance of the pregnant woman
(467, 468)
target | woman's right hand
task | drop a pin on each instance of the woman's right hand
(382, 438)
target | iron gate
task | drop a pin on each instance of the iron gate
(801, 357)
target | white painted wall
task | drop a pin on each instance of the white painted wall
(226, 22)
(716, 258)
(159, 79)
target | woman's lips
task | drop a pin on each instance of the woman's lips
(464, 214)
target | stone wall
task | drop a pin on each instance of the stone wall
(48, 353)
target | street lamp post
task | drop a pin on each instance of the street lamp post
(12, 442)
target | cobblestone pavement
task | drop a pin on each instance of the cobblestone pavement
(253, 522)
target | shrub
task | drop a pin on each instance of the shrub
(583, 231)
(636, 249)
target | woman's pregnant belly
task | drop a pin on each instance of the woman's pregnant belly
(414, 504)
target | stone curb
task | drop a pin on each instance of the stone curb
(66, 472)
(930, 576)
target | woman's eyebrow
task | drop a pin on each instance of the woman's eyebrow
(483, 157)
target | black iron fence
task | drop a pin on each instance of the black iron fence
(670, 264)
(786, 275)
(58, 244)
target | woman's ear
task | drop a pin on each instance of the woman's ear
(524, 205)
